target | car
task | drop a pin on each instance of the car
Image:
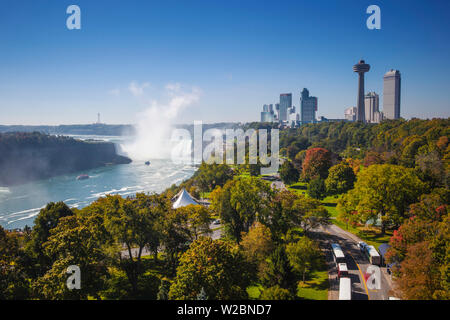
(342, 270)
(217, 221)
(362, 246)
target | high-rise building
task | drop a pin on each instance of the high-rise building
(308, 106)
(266, 117)
(391, 94)
(372, 105)
(350, 114)
(378, 117)
(285, 105)
(361, 67)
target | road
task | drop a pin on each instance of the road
(357, 264)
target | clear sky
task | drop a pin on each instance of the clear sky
(237, 54)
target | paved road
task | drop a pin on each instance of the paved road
(357, 264)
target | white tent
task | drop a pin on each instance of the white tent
(182, 199)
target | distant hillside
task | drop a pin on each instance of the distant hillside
(75, 129)
(30, 156)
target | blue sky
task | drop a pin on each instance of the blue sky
(238, 54)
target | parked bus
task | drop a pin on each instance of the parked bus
(338, 255)
(345, 289)
(373, 255)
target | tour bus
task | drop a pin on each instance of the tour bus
(373, 255)
(345, 289)
(342, 270)
(338, 255)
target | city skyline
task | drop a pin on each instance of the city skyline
(123, 58)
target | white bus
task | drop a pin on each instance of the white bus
(338, 255)
(345, 289)
(373, 255)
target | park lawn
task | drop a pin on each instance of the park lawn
(330, 204)
(298, 187)
(316, 287)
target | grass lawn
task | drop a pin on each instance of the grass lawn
(316, 287)
(298, 187)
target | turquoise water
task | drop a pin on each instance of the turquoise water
(19, 205)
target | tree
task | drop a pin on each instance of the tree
(163, 291)
(303, 255)
(419, 276)
(316, 189)
(46, 220)
(13, 281)
(341, 178)
(240, 202)
(276, 293)
(214, 266)
(209, 176)
(73, 242)
(133, 222)
(278, 270)
(384, 191)
(289, 210)
(316, 164)
(198, 219)
(288, 173)
(257, 244)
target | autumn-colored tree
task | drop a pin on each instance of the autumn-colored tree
(341, 178)
(215, 266)
(257, 244)
(419, 274)
(371, 158)
(384, 191)
(316, 164)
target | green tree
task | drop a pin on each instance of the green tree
(240, 202)
(198, 219)
(278, 271)
(341, 178)
(276, 293)
(303, 255)
(13, 281)
(288, 173)
(384, 191)
(316, 189)
(214, 266)
(46, 220)
(73, 242)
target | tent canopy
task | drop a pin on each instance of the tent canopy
(182, 199)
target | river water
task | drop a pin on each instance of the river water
(20, 204)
